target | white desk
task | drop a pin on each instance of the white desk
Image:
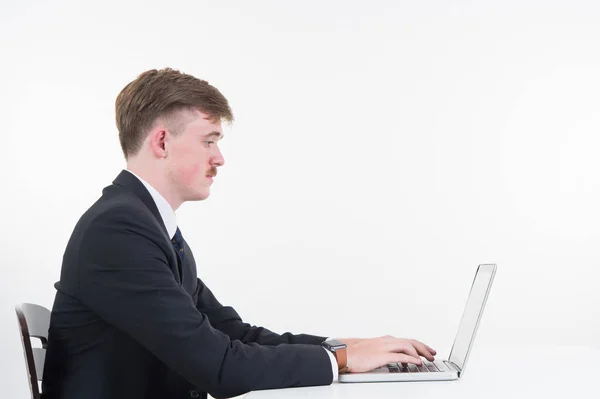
(560, 372)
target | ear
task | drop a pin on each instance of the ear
(158, 138)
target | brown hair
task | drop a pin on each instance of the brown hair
(163, 93)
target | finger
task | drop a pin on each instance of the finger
(404, 358)
(410, 350)
(399, 345)
(422, 349)
(433, 351)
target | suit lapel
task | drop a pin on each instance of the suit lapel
(131, 183)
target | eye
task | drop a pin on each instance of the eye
(208, 143)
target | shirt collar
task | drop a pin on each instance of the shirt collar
(166, 212)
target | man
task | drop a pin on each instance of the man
(130, 318)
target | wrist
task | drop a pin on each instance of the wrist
(350, 341)
(338, 349)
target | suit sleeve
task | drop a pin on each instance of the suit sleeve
(124, 277)
(228, 321)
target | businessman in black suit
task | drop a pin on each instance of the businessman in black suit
(130, 318)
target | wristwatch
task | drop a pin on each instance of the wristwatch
(338, 348)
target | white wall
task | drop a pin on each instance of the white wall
(396, 145)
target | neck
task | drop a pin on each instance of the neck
(157, 178)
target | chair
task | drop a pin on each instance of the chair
(34, 321)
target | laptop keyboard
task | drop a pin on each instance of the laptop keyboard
(427, 367)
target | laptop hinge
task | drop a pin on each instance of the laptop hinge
(452, 366)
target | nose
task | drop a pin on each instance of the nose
(217, 158)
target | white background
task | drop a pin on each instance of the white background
(381, 151)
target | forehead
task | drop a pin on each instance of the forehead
(197, 122)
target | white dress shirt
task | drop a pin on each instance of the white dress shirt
(166, 212)
(170, 220)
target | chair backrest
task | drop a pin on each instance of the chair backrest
(34, 321)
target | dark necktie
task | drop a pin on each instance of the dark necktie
(177, 241)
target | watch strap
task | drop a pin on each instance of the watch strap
(342, 359)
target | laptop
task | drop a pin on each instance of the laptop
(441, 370)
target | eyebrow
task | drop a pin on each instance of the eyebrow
(215, 133)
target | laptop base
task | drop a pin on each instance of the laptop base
(383, 374)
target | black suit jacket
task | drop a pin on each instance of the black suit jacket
(129, 322)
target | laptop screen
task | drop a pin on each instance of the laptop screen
(471, 315)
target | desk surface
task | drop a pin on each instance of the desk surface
(558, 372)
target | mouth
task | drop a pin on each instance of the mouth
(211, 173)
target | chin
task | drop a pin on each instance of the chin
(200, 196)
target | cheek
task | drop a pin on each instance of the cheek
(192, 174)
(189, 169)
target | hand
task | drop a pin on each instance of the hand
(368, 354)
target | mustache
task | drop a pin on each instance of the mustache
(212, 172)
